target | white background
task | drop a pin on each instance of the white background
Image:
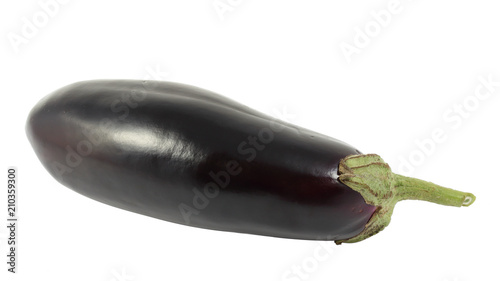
(409, 77)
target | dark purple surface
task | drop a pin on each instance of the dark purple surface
(144, 146)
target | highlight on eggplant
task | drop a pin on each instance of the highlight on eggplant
(189, 156)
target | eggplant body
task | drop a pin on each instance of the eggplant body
(189, 156)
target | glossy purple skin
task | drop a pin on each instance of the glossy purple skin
(150, 147)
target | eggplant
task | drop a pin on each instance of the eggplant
(190, 156)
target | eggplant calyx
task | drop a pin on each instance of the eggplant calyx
(369, 175)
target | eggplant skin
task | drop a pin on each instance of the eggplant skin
(186, 155)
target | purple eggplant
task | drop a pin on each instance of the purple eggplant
(186, 155)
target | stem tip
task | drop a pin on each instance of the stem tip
(469, 199)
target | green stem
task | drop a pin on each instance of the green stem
(369, 175)
(412, 188)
